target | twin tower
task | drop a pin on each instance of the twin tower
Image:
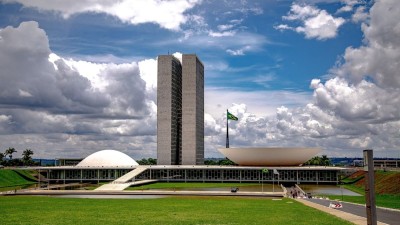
(180, 110)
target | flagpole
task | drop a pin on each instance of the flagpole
(227, 130)
(273, 182)
(262, 182)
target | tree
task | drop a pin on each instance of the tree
(319, 161)
(1, 158)
(325, 161)
(149, 161)
(9, 152)
(226, 162)
(27, 157)
(152, 161)
(210, 162)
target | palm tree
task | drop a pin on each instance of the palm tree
(26, 156)
(9, 152)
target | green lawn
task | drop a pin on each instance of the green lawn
(382, 200)
(170, 210)
(9, 179)
(27, 174)
(181, 185)
(387, 201)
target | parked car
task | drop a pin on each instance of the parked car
(234, 189)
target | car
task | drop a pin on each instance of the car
(234, 189)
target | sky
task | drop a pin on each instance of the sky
(77, 77)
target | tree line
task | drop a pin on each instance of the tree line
(149, 161)
(6, 158)
(221, 162)
(319, 161)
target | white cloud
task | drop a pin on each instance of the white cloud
(148, 72)
(222, 34)
(362, 102)
(356, 109)
(167, 14)
(283, 27)
(262, 103)
(378, 59)
(316, 23)
(301, 12)
(224, 30)
(242, 41)
(346, 8)
(348, 5)
(224, 27)
(360, 15)
(63, 102)
(235, 52)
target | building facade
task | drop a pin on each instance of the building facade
(169, 110)
(179, 173)
(192, 110)
(180, 110)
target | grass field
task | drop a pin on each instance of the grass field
(387, 189)
(171, 210)
(9, 179)
(387, 201)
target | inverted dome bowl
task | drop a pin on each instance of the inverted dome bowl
(271, 156)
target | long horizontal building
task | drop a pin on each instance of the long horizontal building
(177, 173)
(111, 165)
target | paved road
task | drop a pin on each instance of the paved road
(147, 192)
(391, 217)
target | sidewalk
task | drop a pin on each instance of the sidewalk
(343, 215)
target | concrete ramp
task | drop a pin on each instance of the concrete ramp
(125, 178)
(122, 186)
(122, 182)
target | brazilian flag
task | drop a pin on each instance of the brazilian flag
(265, 170)
(232, 117)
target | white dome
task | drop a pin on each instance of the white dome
(108, 158)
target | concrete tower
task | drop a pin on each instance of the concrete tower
(180, 110)
(192, 110)
(169, 110)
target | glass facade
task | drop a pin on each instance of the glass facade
(199, 174)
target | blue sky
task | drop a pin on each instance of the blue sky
(83, 74)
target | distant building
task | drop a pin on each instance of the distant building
(385, 163)
(68, 161)
(180, 110)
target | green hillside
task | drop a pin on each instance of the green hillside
(12, 178)
(387, 188)
(386, 182)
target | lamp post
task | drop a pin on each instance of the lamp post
(262, 178)
(369, 187)
(227, 130)
(341, 190)
(262, 183)
(273, 182)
